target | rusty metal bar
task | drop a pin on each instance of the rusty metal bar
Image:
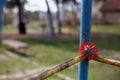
(49, 72)
(107, 61)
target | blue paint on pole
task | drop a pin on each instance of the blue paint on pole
(85, 36)
(2, 4)
(1, 11)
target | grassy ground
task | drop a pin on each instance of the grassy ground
(106, 28)
(48, 52)
(51, 52)
(95, 28)
(13, 65)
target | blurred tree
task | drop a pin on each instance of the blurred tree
(20, 5)
(50, 20)
(64, 1)
(74, 6)
(58, 16)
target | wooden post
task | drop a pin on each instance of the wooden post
(85, 36)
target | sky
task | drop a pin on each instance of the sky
(40, 5)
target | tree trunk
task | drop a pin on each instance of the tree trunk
(50, 20)
(58, 18)
(21, 24)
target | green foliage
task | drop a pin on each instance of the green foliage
(14, 3)
(43, 26)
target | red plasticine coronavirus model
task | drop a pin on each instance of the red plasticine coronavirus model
(88, 50)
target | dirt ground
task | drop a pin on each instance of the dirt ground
(14, 35)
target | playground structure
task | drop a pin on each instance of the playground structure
(84, 37)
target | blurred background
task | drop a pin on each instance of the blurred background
(39, 34)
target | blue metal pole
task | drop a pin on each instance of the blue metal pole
(2, 4)
(1, 11)
(85, 36)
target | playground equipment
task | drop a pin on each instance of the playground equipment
(88, 51)
(84, 37)
(49, 72)
(2, 4)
